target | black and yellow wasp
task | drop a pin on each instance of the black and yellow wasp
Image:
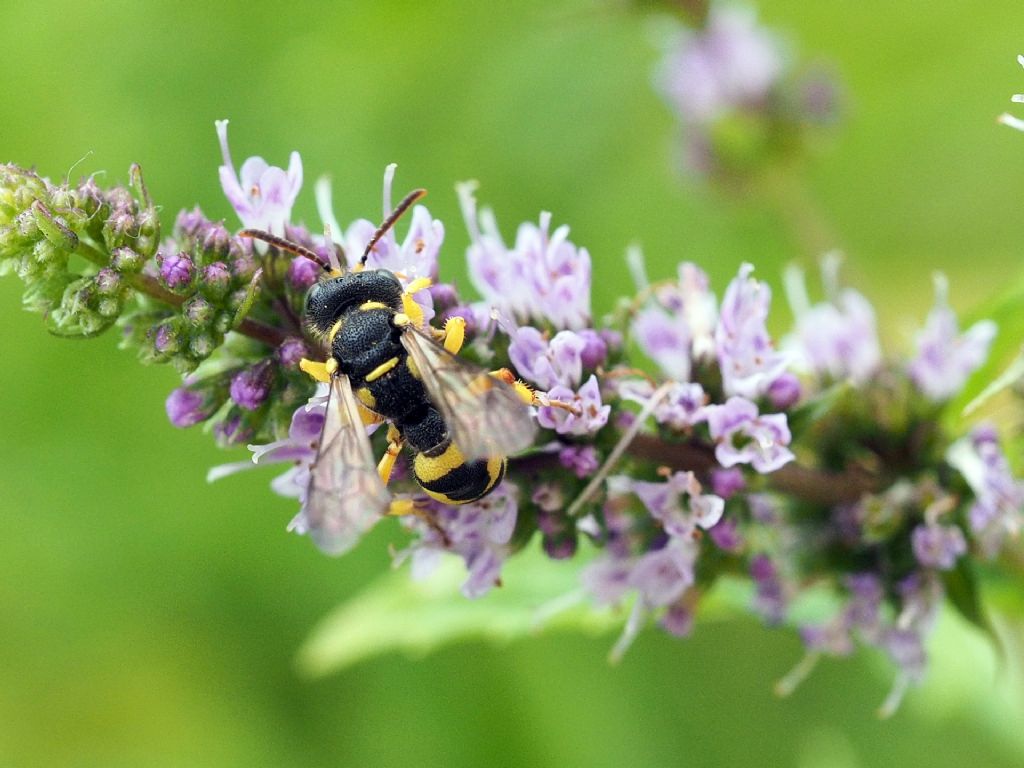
(386, 363)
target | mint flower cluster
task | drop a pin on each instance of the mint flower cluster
(679, 443)
(741, 99)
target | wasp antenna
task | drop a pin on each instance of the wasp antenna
(285, 245)
(389, 222)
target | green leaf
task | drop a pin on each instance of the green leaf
(396, 613)
(1008, 314)
(962, 590)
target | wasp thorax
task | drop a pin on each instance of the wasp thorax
(329, 299)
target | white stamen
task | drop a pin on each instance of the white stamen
(792, 679)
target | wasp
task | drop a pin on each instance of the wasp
(386, 364)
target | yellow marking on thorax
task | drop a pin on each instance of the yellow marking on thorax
(368, 305)
(381, 369)
(334, 331)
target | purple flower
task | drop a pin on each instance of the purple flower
(542, 277)
(478, 532)
(836, 338)
(581, 459)
(548, 363)
(176, 270)
(665, 502)
(592, 414)
(727, 482)
(264, 195)
(998, 496)
(744, 437)
(680, 408)
(785, 391)
(945, 358)
(665, 338)
(595, 348)
(726, 535)
(298, 450)
(770, 597)
(748, 362)
(662, 575)
(938, 546)
(680, 326)
(732, 63)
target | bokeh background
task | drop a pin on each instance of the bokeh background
(149, 619)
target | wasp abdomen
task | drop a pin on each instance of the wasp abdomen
(450, 479)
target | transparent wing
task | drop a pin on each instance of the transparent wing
(346, 496)
(484, 414)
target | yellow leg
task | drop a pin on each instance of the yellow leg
(528, 396)
(319, 371)
(387, 462)
(409, 305)
(402, 507)
(454, 334)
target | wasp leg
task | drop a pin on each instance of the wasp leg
(454, 334)
(387, 462)
(321, 372)
(401, 507)
(528, 396)
(409, 305)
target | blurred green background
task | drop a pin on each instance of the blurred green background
(148, 619)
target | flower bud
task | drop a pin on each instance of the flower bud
(785, 391)
(176, 270)
(223, 321)
(302, 273)
(148, 236)
(251, 386)
(234, 429)
(216, 242)
(196, 401)
(119, 229)
(290, 353)
(215, 280)
(166, 339)
(595, 351)
(202, 346)
(198, 311)
(108, 282)
(126, 261)
(54, 228)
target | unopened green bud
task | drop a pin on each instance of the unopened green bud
(149, 232)
(215, 280)
(119, 229)
(28, 228)
(108, 307)
(198, 311)
(223, 321)
(201, 346)
(54, 228)
(126, 261)
(108, 282)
